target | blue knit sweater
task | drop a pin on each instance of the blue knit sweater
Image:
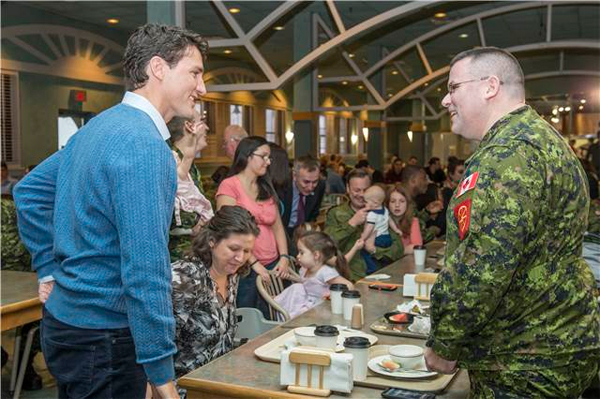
(96, 217)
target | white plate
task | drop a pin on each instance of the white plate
(374, 367)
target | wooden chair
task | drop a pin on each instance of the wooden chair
(309, 360)
(424, 283)
(269, 290)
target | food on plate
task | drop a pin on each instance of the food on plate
(389, 364)
(400, 318)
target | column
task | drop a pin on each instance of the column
(166, 12)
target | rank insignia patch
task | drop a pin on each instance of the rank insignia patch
(467, 184)
(462, 213)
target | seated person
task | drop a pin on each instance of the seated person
(345, 224)
(591, 240)
(314, 250)
(402, 212)
(376, 231)
(205, 286)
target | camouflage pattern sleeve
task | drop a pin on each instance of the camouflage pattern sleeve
(393, 252)
(481, 267)
(14, 254)
(337, 227)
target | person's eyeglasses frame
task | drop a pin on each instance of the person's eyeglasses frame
(265, 157)
(452, 87)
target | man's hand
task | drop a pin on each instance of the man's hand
(166, 391)
(359, 218)
(44, 291)
(437, 363)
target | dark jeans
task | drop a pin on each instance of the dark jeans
(248, 296)
(91, 363)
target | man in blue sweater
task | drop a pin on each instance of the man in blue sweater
(95, 217)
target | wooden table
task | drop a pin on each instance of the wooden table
(239, 374)
(19, 302)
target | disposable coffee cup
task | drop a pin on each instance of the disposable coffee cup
(326, 336)
(357, 317)
(335, 294)
(420, 255)
(358, 347)
(349, 299)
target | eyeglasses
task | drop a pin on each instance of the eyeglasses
(265, 157)
(453, 86)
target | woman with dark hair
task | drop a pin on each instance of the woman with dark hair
(249, 186)
(280, 171)
(205, 285)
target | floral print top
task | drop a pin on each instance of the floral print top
(205, 323)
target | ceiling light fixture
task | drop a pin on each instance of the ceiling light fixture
(390, 94)
(354, 139)
(440, 14)
(581, 107)
(463, 35)
(394, 72)
(112, 21)
(555, 112)
(319, 76)
(410, 135)
(554, 120)
(567, 109)
(365, 132)
(561, 109)
(345, 82)
(360, 86)
(351, 55)
(426, 84)
(234, 10)
(583, 101)
(289, 136)
(278, 27)
(227, 51)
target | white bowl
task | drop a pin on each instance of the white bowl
(408, 356)
(305, 336)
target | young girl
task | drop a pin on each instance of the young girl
(314, 249)
(402, 212)
(312, 226)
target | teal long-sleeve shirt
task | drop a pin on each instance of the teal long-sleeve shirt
(95, 216)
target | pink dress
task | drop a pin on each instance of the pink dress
(414, 238)
(265, 213)
(300, 297)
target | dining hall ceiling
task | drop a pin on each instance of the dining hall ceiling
(380, 55)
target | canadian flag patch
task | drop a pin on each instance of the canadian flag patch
(467, 184)
(462, 214)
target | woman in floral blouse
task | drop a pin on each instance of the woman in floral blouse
(205, 286)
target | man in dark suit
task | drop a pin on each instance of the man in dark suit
(303, 196)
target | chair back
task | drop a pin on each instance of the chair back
(251, 323)
(268, 290)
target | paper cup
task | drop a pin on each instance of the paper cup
(420, 254)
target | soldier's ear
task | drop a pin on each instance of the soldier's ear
(493, 84)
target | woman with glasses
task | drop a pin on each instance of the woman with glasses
(249, 185)
(192, 209)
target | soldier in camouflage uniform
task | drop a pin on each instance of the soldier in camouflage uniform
(345, 224)
(14, 254)
(514, 304)
(182, 137)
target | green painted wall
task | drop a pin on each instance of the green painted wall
(41, 97)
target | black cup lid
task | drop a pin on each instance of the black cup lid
(338, 287)
(419, 247)
(351, 294)
(357, 342)
(326, 331)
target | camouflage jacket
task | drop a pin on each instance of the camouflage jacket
(515, 292)
(336, 225)
(14, 254)
(428, 233)
(180, 244)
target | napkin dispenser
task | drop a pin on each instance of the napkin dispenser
(316, 372)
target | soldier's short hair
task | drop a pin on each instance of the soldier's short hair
(307, 162)
(495, 61)
(409, 172)
(358, 174)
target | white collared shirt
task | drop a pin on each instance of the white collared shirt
(142, 103)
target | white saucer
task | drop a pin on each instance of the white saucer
(374, 367)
